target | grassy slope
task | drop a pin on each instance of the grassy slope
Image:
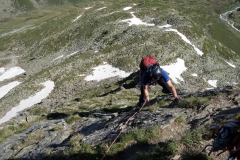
(203, 15)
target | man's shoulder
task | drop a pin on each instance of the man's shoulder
(165, 75)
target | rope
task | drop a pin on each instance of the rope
(122, 130)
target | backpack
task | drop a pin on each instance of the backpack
(147, 62)
(226, 136)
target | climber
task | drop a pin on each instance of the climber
(152, 73)
(226, 137)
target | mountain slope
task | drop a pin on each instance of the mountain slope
(62, 41)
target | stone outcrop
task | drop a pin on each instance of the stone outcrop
(54, 135)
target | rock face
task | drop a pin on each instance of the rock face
(54, 135)
(7, 10)
(44, 134)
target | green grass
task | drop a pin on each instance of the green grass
(227, 36)
(87, 29)
(47, 153)
(124, 63)
(180, 119)
(160, 152)
(110, 101)
(192, 102)
(56, 2)
(150, 135)
(35, 17)
(77, 147)
(11, 129)
(192, 137)
(196, 155)
(72, 118)
(24, 5)
(155, 106)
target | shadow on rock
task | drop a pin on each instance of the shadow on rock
(134, 79)
(118, 110)
(226, 114)
(52, 116)
(111, 92)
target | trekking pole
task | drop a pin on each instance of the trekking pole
(122, 130)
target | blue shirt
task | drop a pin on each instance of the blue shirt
(146, 79)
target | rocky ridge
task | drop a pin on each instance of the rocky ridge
(53, 135)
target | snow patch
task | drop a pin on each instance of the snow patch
(6, 88)
(194, 75)
(105, 71)
(186, 40)
(58, 58)
(175, 70)
(101, 8)
(72, 54)
(136, 21)
(12, 72)
(32, 100)
(77, 18)
(165, 26)
(213, 83)
(230, 64)
(127, 8)
(87, 8)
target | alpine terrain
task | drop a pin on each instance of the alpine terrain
(69, 79)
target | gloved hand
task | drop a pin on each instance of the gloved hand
(148, 103)
(176, 99)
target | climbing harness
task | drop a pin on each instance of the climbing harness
(122, 130)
